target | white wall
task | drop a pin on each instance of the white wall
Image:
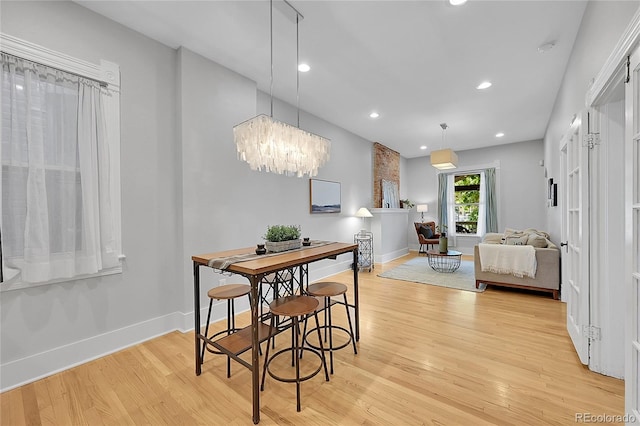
(602, 25)
(183, 192)
(520, 182)
(78, 320)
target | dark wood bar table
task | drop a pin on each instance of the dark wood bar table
(255, 268)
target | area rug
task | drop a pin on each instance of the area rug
(418, 270)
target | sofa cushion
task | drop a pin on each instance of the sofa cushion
(492, 238)
(516, 240)
(537, 240)
(426, 231)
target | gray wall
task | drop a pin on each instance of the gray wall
(82, 314)
(520, 181)
(602, 25)
(183, 193)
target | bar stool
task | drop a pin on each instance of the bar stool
(228, 292)
(326, 290)
(294, 307)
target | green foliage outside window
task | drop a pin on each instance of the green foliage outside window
(467, 199)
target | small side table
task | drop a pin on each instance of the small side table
(364, 240)
(444, 262)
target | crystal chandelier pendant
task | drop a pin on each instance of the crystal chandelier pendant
(273, 146)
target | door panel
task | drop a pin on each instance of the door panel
(578, 238)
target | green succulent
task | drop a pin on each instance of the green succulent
(277, 233)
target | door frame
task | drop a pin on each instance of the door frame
(601, 92)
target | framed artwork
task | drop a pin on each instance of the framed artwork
(390, 197)
(324, 196)
(552, 194)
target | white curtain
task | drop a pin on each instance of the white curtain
(56, 214)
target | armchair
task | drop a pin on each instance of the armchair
(422, 234)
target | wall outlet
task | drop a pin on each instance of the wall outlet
(222, 281)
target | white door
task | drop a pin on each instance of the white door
(577, 256)
(564, 254)
(632, 239)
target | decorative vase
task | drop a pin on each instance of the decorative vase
(275, 247)
(443, 245)
(261, 249)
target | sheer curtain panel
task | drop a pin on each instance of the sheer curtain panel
(57, 217)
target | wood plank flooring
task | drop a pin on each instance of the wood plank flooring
(427, 356)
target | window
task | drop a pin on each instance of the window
(60, 186)
(467, 203)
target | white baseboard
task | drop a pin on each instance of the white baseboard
(35, 367)
(388, 257)
(38, 366)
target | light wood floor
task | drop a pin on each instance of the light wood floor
(427, 355)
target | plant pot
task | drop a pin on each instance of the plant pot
(443, 245)
(275, 247)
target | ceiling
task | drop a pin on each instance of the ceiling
(417, 63)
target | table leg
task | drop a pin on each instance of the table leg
(196, 315)
(355, 292)
(255, 360)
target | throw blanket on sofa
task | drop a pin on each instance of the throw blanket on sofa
(519, 261)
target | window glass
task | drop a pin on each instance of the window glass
(467, 203)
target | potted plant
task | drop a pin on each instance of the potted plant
(406, 204)
(282, 237)
(443, 242)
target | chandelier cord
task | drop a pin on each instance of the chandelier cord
(297, 70)
(444, 131)
(271, 48)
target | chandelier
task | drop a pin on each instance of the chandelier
(444, 159)
(270, 145)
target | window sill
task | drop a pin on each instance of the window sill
(14, 282)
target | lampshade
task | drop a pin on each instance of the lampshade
(444, 159)
(421, 208)
(363, 212)
(270, 145)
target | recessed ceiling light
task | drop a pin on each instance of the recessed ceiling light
(303, 67)
(457, 2)
(374, 115)
(499, 135)
(484, 85)
(546, 47)
(423, 147)
(19, 87)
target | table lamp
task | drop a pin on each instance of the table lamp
(363, 212)
(421, 209)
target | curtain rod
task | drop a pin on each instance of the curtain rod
(100, 82)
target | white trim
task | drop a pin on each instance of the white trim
(34, 367)
(106, 72)
(389, 211)
(476, 168)
(8, 285)
(388, 257)
(615, 65)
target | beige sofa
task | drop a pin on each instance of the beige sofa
(547, 272)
